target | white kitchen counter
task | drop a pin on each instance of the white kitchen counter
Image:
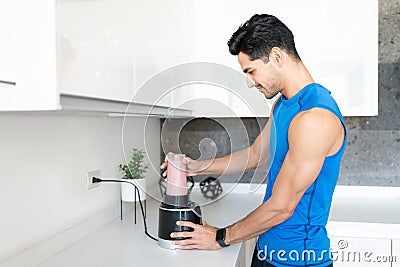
(363, 221)
(121, 243)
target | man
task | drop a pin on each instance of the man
(304, 141)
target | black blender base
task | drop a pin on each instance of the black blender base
(168, 215)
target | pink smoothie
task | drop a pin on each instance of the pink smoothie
(176, 178)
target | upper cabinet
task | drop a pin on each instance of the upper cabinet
(8, 26)
(174, 55)
(95, 48)
(65, 48)
(70, 55)
(164, 38)
(337, 41)
(186, 53)
(27, 56)
(182, 60)
(340, 48)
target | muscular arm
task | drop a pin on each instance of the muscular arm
(313, 135)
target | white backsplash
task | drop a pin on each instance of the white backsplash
(44, 160)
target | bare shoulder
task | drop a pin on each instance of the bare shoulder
(317, 119)
(317, 128)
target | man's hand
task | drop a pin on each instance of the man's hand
(193, 167)
(203, 236)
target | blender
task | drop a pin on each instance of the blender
(176, 205)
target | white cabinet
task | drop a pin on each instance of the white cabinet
(95, 48)
(341, 51)
(80, 48)
(174, 53)
(177, 60)
(27, 53)
(223, 91)
(164, 38)
(8, 26)
(337, 40)
(109, 49)
(342, 54)
(63, 55)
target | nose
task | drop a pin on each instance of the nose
(250, 82)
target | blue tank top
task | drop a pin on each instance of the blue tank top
(302, 239)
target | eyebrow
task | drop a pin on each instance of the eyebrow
(246, 69)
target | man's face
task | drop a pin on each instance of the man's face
(263, 76)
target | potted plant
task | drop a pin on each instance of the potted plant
(133, 172)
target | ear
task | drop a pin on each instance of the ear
(277, 56)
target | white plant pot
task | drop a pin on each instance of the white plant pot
(128, 191)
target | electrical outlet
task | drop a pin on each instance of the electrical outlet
(89, 176)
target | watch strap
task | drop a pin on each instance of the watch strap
(220, 237)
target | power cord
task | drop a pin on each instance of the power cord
(96, 180)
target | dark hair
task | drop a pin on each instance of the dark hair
(257, 36)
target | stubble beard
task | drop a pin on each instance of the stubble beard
(274, 87)
(271, 94)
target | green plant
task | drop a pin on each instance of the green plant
(136, 167)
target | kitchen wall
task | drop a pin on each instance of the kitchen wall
(372, 156)
(44, 160)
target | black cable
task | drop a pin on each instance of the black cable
(98, 180)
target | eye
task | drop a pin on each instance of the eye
(251, 72)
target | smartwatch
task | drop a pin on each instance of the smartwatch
(220, 237)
